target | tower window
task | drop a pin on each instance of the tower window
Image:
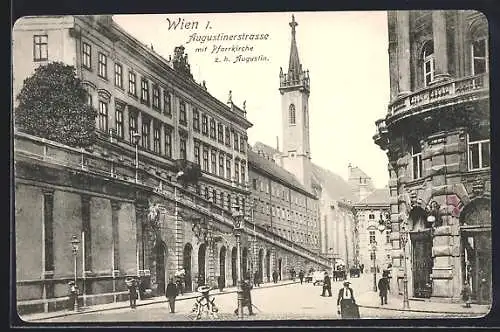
(479, 56)
(428, 62)
(291, 114)
(416, 156)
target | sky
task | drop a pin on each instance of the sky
(345, 53)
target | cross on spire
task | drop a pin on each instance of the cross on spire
(293, 24)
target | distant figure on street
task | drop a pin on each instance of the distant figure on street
(301, 276)
(73, 295)
(346, 304)
(327, 285)
(132, 291)
(292, 273)
(275, 276)
(247, 297)
(362, 267)
(171, 293)
(383, 287)
(220, 283)
(256, 278)
(466, 294)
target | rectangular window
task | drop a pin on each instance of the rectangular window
(40, 48)
(254, 184)
(204, 124)
(213, 159)
(132, 87)
(102, 66)
(479, 56)
(156, 97)
(182, 147)
(221, 164)
(144, 91)
(196, 120)
(119, 122)
(371, 216)
(205, 159)
(228, 167)
(243, 172)
(132, 126)
(167, 103)
(228, 137)
(242, 144)
(168, 142)
(212, 129)
(220, 133)
(416, 154)
(86, 55)
(103, 116)
(236, 171)
(182, 113)
(236, 141)
(479, 151)
(214, 196)
(118, 75)
(387, 236)
(429, 70)
(372, 237)
(146, 123)
(197, 153)
(156, 137)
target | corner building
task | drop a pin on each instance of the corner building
(437, 137)
(104, 195)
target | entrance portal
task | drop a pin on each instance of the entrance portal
(159, 252)
(268, 266)
(422, 263)
(234, 272)
(222, 264)
(476, 259)
(260, 264)
(201, 264)
(186, 264)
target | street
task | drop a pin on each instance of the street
(289, 302)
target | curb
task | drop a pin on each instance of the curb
(425, 311)
(154, 301)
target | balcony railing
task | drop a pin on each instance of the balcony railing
(440, 93)
(35, 148)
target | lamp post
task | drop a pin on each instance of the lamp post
(74, 246)
(373, 253)
(403, 233)
(237, 227)
(136, 137)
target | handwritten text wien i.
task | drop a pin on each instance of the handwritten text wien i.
(213, 43)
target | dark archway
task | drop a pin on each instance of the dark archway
(186, 264)
(475, 233)
(421, 244)
(268, 266)
(279, 269)
(202, 250)
(160, 251)
(260, 264)
(222, 264)
(244, 264)
(234, 271)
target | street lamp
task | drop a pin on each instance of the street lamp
(403, 234)
(237, 227)
(136, 137)
(74, 246)
(373, 250)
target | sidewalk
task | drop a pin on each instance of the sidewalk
(367, 298)
(125, 304)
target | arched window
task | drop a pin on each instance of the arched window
(291, 114)
(479, 49)
(428, 62)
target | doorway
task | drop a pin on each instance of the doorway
(421, 243)
(244, 263)
(260, 264)
(186, 264)
(222, 264)
(279, 268)
(201, 264)
(159, 253)
(477, 264)
(268, 266)
(234, 271)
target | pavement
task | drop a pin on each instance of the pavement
(284, 300)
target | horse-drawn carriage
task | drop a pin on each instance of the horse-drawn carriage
(339, 273)
(354, 272)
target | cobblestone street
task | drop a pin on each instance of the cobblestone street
(285, 302)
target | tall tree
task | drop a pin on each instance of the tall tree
(53, 105)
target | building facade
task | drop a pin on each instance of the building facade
(436, 134)
(157, 191)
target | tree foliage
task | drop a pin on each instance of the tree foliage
(53, 105)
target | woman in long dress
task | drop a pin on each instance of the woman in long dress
(346, 303)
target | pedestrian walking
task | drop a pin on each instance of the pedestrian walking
(301, 276)
(275, 276)
(327, 285)
(256, 278)
(132, 291)
(466, 294)
(383, 287)
(73, 295)
(346, 303)
(220, 283)
(171, 293)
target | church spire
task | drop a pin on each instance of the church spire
(294, 67)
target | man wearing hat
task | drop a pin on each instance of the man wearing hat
(346, 304)
(383, 287)
(171, 293)
(73, 295)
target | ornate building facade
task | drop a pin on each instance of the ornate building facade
(155, 194)
(437, 137)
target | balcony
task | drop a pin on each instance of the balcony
(439, 95)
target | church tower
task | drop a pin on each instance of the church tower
(294, 89)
